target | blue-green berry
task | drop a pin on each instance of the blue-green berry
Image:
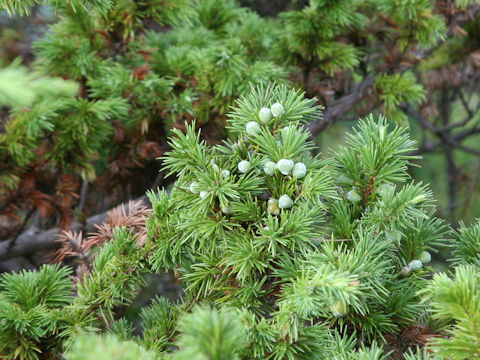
(393, 235)
(265, 115)
(225, 173)
(344, 180)
(285, 202)
(194, 187)
(277, 109)
(270, 168)
(253, 128)
(353, 196)
(285, 166)
(415, 265)
(299, 170)
(226, 209)
(406, 270)
(244, 166)
(425, 257)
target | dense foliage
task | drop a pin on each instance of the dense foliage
(278, 250)
(280, 255)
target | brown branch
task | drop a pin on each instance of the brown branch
(445, 138)
(339, 107)
(34, 240)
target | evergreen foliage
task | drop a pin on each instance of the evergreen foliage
(281, 252)
(326, 263)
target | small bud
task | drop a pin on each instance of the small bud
(277, 109)
(285, 202)
(344, 180)
(299, 170)
(253, 128)
(354, 196)
(425, 257)
(284, 166)
(225, 173)
(415, 265)
(270, 168)
(339, 309)
(244, 166)
(203, 194)
(265, 115)
(194, 187)
(272, 207)
(406, 270)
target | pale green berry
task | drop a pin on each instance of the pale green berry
(384, 189)
(194, 187)
(270, 168)
(406, 270)
(285, 202)
(225, 173)
(253, 128)
(272, 207)
(226, 209)
(265, 115)
(393, 235)
(415, 265)
(215, 167)
(354, 196)
(425, 257)
(244, 166)
(203, 194)
(299, 170)
(285, 166)
(277, 109)
(339, 309)
(344, 180)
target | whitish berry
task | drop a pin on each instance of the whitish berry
(203, 194)
(225, 173)
(277, 109)
(244, 166)
(354, 196)
(339, 309)
(194, 187)
(406, 270)
(393, 235)
(285, 166)
(265, 115)
(270, 168)
(415, 265)
(299, 170)
(384, 189)
(253, 128)
(226, 210)
(215, 167)
(272, 207)
(344, 180)
(425, 257)
(285, 202)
